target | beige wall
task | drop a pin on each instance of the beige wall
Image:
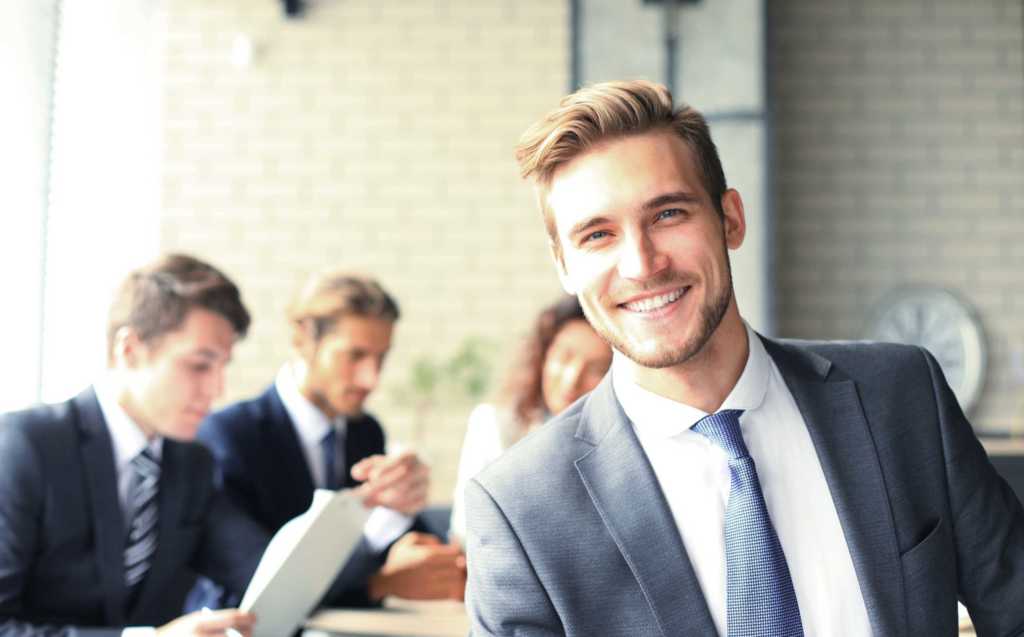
(375, 135)
(900, 160)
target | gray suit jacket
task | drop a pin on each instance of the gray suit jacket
(569, 533)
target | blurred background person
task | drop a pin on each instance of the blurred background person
(106, 501)
(308, 430)
(562, 358)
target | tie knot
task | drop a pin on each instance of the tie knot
(723, 429)
(329, 438)
(146, 464)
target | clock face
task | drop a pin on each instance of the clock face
(944, 325)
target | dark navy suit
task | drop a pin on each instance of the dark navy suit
(62, 531)
(265, 473)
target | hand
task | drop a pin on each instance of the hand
(419, 566)
(210, 622)
(397, 482)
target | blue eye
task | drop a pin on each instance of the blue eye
(594, 236)
(668, 214)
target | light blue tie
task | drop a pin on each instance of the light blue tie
(329, 447)
(759, 591)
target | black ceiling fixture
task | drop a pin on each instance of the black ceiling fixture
(293, 8)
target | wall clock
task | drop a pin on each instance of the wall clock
(942, 323)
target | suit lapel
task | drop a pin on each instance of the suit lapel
(292, 473)
(620, 481)
(107, 518)
(175, 476)
(839, 430)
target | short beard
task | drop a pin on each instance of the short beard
(711, 314)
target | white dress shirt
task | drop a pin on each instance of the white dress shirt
(694, 475)
(384, 525)
(128, 441)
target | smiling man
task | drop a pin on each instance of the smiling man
(105, 501)
(717, 481)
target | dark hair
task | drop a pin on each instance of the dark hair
(331, 295)
(155, 299)
(522, 389)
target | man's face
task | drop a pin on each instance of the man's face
(344, 365)
(172, 381)
(644, 247)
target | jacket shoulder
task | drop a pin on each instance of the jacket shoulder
(542, 458)
(41, 424)
(859, 360)
(239, 419)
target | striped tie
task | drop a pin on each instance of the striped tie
(761, 600)
(142, 500)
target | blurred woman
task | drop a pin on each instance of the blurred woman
(562, 359)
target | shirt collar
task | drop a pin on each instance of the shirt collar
(666, 417)
(125, 435)
(310, 423)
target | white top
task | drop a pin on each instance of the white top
(482, 446)
(384, 525)
(694, 475)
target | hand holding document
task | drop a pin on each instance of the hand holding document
(398, 482)
(302, 560)
(230, 622)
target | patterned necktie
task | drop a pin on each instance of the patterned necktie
(760, 596)
(142, 500)
(329, 447)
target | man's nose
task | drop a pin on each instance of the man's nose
(368, 374)
(639, 257)
(213, 388)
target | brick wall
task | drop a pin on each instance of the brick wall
(375, 135)
(899, 137)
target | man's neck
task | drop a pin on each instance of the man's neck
(705, 380)
(118, 383)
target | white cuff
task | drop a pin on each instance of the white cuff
(139, 631)
(384, 526)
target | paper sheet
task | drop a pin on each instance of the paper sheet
(302, 560)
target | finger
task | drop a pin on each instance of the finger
(417, 538)
(216, 622)
(397, 485)
(361, 470)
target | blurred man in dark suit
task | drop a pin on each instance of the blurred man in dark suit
(105, 500)
(308, 430)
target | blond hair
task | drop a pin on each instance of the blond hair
(607, 111)
(330, 295)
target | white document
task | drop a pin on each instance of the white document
(301, 562)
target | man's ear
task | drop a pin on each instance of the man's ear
(128, 348)
(304, 338)
(735, 221)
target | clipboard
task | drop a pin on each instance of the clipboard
(301, 562)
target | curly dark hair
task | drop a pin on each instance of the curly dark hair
(522, 389)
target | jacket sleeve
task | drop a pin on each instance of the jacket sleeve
(504, 596)
(231, 547)
(21, 500)
(988, 522)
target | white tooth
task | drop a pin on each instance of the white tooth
(655, 302)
